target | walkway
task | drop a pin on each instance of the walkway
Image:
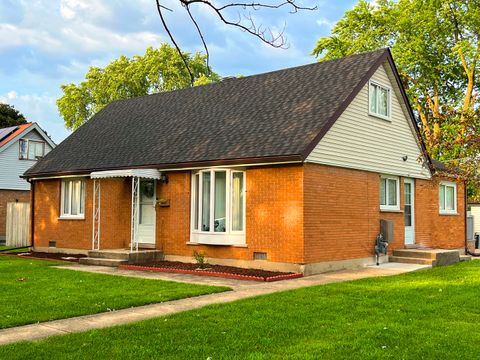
(241, 290)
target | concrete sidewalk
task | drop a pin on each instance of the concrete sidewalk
(241, 290)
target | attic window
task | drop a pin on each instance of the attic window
(31, 149)
(379, 100)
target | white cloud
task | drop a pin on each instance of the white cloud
(325, 22)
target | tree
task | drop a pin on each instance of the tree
(157, 70)
(436, 46)
(243, 20)
(9, 116)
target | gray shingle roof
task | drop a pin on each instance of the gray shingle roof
(276, 116)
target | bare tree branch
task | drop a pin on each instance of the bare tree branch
(245, 22)
(165, 26)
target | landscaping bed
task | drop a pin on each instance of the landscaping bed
(212, 270)
(47, 256)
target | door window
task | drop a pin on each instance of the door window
(408, 204)
(147, 197)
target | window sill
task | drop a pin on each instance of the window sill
(208, 244)
(384, 118)
(71, 218)
(448, 213)
(391, 211)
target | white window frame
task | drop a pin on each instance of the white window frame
(28, 141)
(68, 215)
(389, 102)
(446, 211)
(230, 236)
(388, 207)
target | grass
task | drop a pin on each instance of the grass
(3, 247)
(431, 314)
(34, 291)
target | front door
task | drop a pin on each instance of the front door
(146, 218)
(409, 195)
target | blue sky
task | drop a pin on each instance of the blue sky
(47, 43)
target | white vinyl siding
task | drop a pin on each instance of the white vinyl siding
(358, 140)
(9, 159)
(475, 210)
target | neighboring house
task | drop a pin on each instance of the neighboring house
(475, 211)
(290, 170)
(20, 147)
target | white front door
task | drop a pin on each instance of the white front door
(146, 216)
(409, 211)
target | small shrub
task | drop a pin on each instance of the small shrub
(200, 259)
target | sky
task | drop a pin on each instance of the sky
(47, 43)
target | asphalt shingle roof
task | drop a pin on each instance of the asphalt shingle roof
(277, 115)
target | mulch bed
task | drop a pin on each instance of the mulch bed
(212, 270)
(47, 256)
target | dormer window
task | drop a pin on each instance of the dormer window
(31, 149)
(379, 100)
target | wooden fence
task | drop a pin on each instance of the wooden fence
(18, 224)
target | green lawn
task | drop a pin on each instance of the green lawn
(433, 314)
(25, 249)
(33, 291)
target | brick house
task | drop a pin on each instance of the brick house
(20, 148)
(289, 170)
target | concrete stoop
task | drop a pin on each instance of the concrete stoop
(433, 257)
(115, 258)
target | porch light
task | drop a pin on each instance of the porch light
(164, 178)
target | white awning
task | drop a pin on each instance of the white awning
(141, 173)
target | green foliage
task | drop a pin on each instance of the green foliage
(157, 70)
(199, 257)
(436, 46)
(9, 116)
(33, 291)
(429, 314)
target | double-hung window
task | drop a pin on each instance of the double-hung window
(379, 100)
(218, 207)
(73, 199)
(31, 149)
(389, 193)
(448, 198)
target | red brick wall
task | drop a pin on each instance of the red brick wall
(297, 214)
(434, 229)
(273, 212)
(342, 215)
(115, 216)
(7, 196)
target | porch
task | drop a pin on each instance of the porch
(117, 257)
(142, 215)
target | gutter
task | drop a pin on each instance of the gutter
(258, 161)
(32, 212)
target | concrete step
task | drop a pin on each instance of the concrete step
(415, 253)
(465, 257)
(102, 261)
(411, 260)
(106, 254)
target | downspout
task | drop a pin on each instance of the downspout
(467, 251)
(32, 211)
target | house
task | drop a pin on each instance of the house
(288, 170)
(475, 212)
(20, 147)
